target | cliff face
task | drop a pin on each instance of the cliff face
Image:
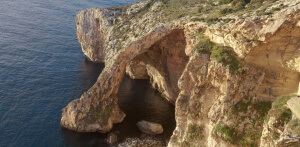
(218, 101)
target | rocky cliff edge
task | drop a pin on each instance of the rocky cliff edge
(222, 67)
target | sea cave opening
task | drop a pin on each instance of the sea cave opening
(148, 92)
(149, 89)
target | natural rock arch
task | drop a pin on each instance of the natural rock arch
(97, 109)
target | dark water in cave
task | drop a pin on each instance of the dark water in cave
(42, 69)
(139, 101)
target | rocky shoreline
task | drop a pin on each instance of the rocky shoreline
(222, 77)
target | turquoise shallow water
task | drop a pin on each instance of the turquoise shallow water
(42, 69)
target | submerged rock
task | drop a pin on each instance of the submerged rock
(150, 127)
(147, 142)
(112, 138)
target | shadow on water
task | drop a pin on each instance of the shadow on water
(88, 73)
(137, 99)
(140, 101)
(74, 139)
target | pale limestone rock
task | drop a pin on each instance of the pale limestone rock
(299, 89)
(150, 127)
(294, 105)
(137, 70)
(137, 7)
(202, 90)
(91, 24)
(277, 136)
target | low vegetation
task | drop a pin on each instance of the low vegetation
(221, 2)
(210, 12)
(248, 118)
(230, 134)
(261, 108)
(294, 124)
(98, 115)
(196, 132)
(283, 117)
(218, 53)
(279, 109)
(280, 102)
(226, 133)
(225, 11)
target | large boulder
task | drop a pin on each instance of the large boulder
(294, 105)
(150, 127)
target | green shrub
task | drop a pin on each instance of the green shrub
(279, 109)
(256, 1)
(225, 11)
(220, 54)
(263, 12)
(239, 4)
(241, 107)
(267, 13)
(196, 132)
(210, 21)
(227, 20)
(224, 2)
(227, 133)
(197, 19)
(180, 3)
(207, 9)
(200, 9)
(204, 46)
(275, 9)
(281, 101)
(260, 12)
(286, 115)
(262, 108)
(225, 56)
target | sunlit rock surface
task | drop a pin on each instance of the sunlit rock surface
(210, 101)
(150, 127)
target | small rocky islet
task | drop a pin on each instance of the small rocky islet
(230, 67)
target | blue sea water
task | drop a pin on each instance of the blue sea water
(42, 69)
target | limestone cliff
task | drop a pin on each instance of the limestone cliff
(222, 74)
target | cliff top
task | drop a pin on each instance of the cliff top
(253, 21)
(136, 20)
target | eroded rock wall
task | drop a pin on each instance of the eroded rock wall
(211, 97)
(91, 24)
(270, 41)
(211, 102)
(164, 62)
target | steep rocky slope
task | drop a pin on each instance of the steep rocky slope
(221, 74)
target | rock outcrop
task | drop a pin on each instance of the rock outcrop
(150, 127)
(281, 127)
(294, 105)
(112, 138)
(218, 102)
